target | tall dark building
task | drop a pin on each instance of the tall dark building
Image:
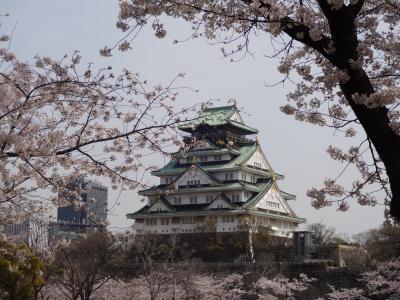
(94, 210)
(74, 222)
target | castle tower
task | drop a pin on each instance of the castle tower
(221, 181)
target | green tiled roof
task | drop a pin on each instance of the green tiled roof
(246, 151)
(201, 189)
(217, 116)
(205, 152)
(288, 196)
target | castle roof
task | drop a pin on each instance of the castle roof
(250, 206)
(228, 116)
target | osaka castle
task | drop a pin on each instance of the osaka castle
(219, 181)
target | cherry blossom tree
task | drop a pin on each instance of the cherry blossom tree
(60, 121)
(220, 287)
(384, 281)
(346, 294)
(381, 283)
(342, 55)
(280, 286)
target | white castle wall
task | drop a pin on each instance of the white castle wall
(222, 224)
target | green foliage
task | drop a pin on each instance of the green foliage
(20, 272)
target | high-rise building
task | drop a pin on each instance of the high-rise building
(94, 208)
(32, 231)
(221, 181)
(76, 221)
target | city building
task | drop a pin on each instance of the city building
(59, 231)
(94, 210)
(219, 181)
(32, 231)
(74, 222)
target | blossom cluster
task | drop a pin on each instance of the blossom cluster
(58, 124)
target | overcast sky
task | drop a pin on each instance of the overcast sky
(297, 150)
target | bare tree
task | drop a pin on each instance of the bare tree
(381, 243)
(84, 266)
(322, 234)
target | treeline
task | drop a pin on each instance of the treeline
(103, 266)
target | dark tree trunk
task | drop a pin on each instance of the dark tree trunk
(376, 125)
(374, 120)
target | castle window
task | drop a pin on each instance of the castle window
(228, 176)
(177, 201)
(228, 219)
(212, 219)
(273, 204)
(218, 157)
(164, 221)
(235, 198)
(257, 165)
(244, 177)
(176, 220)
(151, 222)
(203, 158)
(193, 200)
(209, 198)
(193, 182)
(187, 220)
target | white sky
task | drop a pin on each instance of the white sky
(297, 150)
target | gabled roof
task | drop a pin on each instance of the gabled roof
(217, 116)
(164, 202)
(191, 168)
(146, 209)
(264, 189)
(225, 199)
(272, 183)
(204, 145)
(268, 166)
